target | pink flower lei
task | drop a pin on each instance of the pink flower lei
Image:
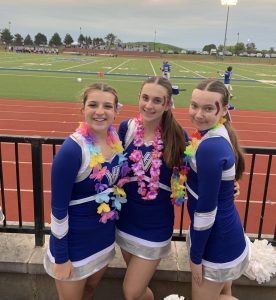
(137, 167)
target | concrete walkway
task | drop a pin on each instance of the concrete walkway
(22, 276)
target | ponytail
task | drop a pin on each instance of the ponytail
(173, 140)
(239, 156)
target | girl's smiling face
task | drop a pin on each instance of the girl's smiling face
(153, 102)
(99, 110)
(206, 109)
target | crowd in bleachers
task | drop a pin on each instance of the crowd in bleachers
(31, 49)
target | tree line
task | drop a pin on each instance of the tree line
(7, 38)
(238, 48)
(55, 41)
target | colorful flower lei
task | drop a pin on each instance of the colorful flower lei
(179, 175)
(96, 159)
(137, 157)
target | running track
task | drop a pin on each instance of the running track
(59, 119)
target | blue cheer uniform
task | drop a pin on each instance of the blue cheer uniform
(166, 70)
(227, 77)
(145, 227)
(217, 238)
(76, 231)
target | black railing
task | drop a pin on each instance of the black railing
(38, 226)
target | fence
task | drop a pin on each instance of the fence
(39, 228)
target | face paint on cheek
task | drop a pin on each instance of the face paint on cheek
(218, 107)
(164, 102)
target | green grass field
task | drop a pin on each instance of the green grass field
(49, 77)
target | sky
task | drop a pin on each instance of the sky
(189, 24)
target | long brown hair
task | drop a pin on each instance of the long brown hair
(172, 132)
(217, 86)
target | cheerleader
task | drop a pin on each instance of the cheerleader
(219, 249)
(87, 178)
(154, 143)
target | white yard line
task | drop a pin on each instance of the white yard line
(89, 63)
(265, 83)
(70, 77)
(236, 85)
(268, 83)
(152, 67)
(120, 80)
(236, 74)
(187, 69)
(256, 86)
(118, 66)
(249, 78)
(38, 76)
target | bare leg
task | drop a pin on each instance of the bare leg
(227, 288)
(91, 283)
(138, 275)
(80, 289)
(208, 290)
(70, 290)
(227, 297)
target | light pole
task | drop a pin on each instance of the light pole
(154, 40)
(228, 3)
(236, 48)
(80, 40)
(9, 32)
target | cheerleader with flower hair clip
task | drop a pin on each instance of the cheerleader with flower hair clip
(154, 143)
(88, 175)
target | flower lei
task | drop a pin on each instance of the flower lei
(179, 175)
(137, 157)
(98, 172)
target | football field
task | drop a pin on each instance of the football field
(54, 77)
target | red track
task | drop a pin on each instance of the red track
(59, 119)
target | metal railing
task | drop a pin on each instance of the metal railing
(40, 229)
